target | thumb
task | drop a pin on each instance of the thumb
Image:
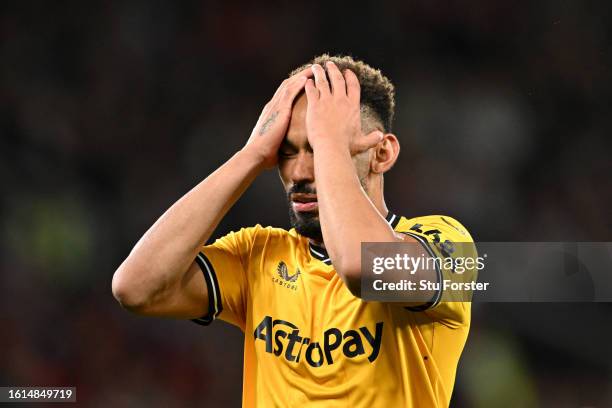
(372, 139)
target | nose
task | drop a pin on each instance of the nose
(303, 168)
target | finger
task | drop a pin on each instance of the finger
(292, 90)
(312, 93)
(279, 90)
(370, 140)
(298, 79)
(338, 85)
(353, 90)
(307, 72)
(320, 80)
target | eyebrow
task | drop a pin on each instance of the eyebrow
(287, 143)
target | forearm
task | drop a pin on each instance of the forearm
(347, 215)
(167, 249)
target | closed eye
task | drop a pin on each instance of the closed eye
(286, 154)
(287, 150)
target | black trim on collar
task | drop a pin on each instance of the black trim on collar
(393, 219)
(321, 254)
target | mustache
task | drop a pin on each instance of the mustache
(302, 188)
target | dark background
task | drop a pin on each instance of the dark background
(110, 111)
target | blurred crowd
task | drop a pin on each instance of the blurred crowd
(110, 111)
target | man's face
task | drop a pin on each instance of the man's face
(296, 168)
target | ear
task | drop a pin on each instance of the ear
(385, 154)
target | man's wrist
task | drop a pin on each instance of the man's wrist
(331, 144)
(254, 159)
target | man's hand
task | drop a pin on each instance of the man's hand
(274, 120)
(160, 276)
(333, 115)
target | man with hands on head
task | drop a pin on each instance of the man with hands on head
(309, 337)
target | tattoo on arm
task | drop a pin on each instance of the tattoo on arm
(269, 122)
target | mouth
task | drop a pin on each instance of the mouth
(301, 202)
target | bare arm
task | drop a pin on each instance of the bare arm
(347, 215)
(160, 277)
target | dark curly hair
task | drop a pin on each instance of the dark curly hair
(377, 91)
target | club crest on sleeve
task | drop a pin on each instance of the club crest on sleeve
(283, 278)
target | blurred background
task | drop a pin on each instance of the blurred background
(110, 111)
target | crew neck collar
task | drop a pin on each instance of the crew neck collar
(320, 253)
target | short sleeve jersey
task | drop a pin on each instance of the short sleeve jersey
(309, 342)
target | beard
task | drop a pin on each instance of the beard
(305, 223)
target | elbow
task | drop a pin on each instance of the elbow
(127, 292)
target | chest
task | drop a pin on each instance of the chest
(304, 289)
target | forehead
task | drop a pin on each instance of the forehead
(296, 132)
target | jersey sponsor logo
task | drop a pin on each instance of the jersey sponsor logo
(283, 278)
(282, 338)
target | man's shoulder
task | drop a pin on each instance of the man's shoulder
(258, 231)
(428, 222)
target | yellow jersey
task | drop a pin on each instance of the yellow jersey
(309, 342)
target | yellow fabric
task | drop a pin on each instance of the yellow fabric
(310, 342)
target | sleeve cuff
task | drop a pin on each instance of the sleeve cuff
(214, 295)
(438, 295)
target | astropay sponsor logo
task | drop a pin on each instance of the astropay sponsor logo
(282, 338)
